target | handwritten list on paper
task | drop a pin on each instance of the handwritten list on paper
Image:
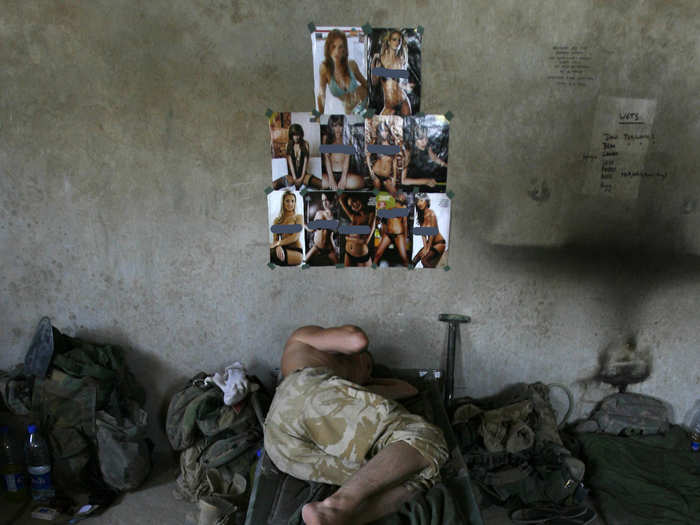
(571, 66)
(620, 139)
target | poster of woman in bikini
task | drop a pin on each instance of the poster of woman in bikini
(321, 228)
(431, 231)
(339, 61)
(394, 71)
(295, 140)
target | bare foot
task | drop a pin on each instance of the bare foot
(322, 513)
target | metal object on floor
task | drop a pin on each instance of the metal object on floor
(453, 321)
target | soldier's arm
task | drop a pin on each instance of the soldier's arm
(346, 339)
(391, 388)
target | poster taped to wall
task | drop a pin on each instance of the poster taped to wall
(384, 152)
(431, 230)
(295, 140)
(426, 146)
(339, 62)
(285, 216)
(394, 71)
(343, 153)
(321, 228)
(357, 214)
(392, 237)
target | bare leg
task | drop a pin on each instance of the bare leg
(355, 182)
(313, 251)
(372, 492)
(383, 244)
(401, 247)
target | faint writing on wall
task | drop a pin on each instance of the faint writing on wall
(621, 136)
(571, 66)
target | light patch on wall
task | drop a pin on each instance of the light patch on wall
(622, 132)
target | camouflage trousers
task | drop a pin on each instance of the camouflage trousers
(323, 428)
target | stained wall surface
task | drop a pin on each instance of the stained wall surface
(134, 152)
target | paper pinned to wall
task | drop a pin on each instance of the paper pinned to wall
(622, 133)
(285, 213)
(432, 227)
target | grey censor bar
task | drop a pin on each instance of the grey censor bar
(286, 228)
(393, 213)
(383, 149)
(389, 73)
(337, 148)
(324, 225)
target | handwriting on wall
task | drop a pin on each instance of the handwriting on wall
(622, 133)
(571, 66)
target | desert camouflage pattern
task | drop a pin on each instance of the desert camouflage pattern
(323, 428)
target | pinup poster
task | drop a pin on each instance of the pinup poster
(431, 230)
(426, 140)
(343, 153)
(385, 152)
(285, 211)
(340, 68)
(295, 141)
(393, 71)
(321, 228)
(392, 236)
(357, 216)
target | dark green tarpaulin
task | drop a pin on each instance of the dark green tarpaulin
(645, 480)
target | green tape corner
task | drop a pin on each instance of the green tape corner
(305, 266)
(420, 29)
(374, 266)
(410, 267)
(269, 113)
(449, 115)
(450, 194)
(316, 113)
(420, 114)
(367, 28)
(447, 268)
(311, 26)
(416, 189)
(340, 265)
(268, 190)
(369, 113)
(271, 266)
(304, 192)
(339, 191)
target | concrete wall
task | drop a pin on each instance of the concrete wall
(134, 151)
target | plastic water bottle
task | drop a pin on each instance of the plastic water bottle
(694, 426)
(39, 465)
(12, 466)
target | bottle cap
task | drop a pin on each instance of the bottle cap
(31, 429)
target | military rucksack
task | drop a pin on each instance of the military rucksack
(218, 443)
(512, 446)
(627, 413)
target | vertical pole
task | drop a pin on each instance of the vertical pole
(453, 321)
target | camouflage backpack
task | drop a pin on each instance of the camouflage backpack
(512, 446)
(627, 413)
(218, 443)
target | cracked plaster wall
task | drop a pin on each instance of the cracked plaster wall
(134, 151)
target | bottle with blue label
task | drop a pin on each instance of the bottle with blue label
(12, 466)
(39, 465)
(693, 423)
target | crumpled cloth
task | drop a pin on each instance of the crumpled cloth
(233, 384)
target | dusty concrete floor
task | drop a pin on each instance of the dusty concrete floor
(154, 504)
